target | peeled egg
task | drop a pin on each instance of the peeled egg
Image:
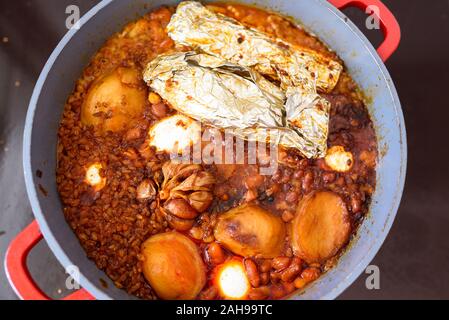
(93, 176)
(338, 159)
(175, 133)
(232, 280)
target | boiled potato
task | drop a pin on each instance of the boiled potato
(115, 100)
(321, 227)
(249, 230)
(173, 266)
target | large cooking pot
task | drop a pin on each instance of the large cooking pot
(72, 54)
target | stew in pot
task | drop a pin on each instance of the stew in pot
(170, 229)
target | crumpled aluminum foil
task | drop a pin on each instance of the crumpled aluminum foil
(196, 26)
(214, 90)
(226, 96)
(235, 47)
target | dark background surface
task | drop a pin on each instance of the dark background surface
(414, 260)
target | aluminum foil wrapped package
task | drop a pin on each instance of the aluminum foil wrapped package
(300, 71)
(213, 90)
(196, 26)
(308, 114)
(229, 96)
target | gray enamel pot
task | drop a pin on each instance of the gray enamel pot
(318, 16)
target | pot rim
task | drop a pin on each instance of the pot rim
(65, 260)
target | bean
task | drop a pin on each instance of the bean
(287, 216)
(154, 98)
(275, 276)
(265, 266)
(130, 154)
(160, 110)
(356, 203)
(298, 174)
(292, 271)
(291, 197)
(208, 239)
(349, 180)
(307, 181)
(273, 189)
(264, 278)
(299, 283)
(310, 274)
(133, 134)
(287, 176)
(254, 181)
(303, 163)
(215, 253)
(146, 151)
(280, 263)
(259, 293)
(258, 257)
(289, 287)
(368, 157)
(217, 9)
(209, 294)
(252, 272)
(297, 260)
(277, 291)
(328, 177)
(196, 233)
(341, 182)
(277, 176)
(286, 187)
(347, 138)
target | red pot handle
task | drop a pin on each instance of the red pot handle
(389, 24)
(17, 270)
